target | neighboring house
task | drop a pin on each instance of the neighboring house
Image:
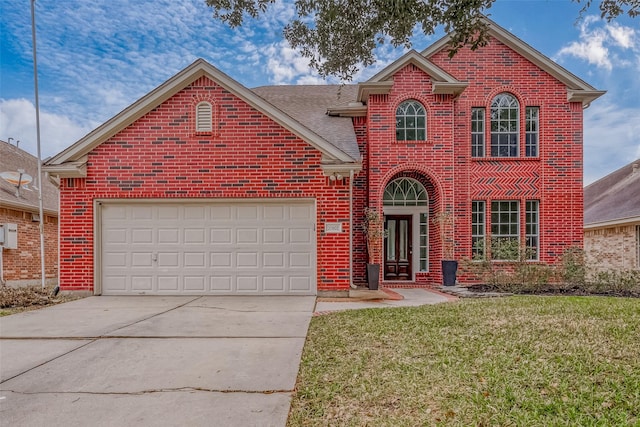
(612, 220)
(22, 265)
(206, 187)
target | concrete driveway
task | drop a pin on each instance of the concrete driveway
(187, 361)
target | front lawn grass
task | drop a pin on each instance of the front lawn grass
(518, 361)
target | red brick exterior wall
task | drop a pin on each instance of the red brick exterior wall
(443, 162)
(161, 156)
(250, 156)
(23, 265)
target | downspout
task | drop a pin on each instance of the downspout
(351, 285)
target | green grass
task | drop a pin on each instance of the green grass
(520, 361)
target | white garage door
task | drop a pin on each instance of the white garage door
(221, 248)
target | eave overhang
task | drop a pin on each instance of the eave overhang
(373, 88)
(353, 109)
(586, 97)
(613, 223)
(72, 169)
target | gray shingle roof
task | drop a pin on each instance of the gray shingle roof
(614, 197)
(308, 105)
(13, 158)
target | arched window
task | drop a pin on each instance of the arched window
(404, 192)
(204, 117)
(505, 119)
(411, 121)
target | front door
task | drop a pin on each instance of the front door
(397, 247)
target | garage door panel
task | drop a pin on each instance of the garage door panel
(220, 248)
(168, 283)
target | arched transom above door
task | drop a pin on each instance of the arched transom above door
(405, 192)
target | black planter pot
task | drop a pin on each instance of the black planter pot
(449, 269)
(373, 276)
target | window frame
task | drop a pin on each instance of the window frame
(532, 136)
(496, 225)
(478, 229)
(532, 229)
(478, 129)
(505, 125)
(418, 130)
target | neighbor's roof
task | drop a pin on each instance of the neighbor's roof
(72, 161)
(309, 104)
(614, 199)
(13, 158)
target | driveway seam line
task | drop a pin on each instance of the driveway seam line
(91, 341)
(153, 315)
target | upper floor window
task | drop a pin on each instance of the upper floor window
(411, 121)
(532, 117)
(204, 117)
(477, 132)
(505, 115)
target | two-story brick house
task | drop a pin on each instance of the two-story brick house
(206, 187)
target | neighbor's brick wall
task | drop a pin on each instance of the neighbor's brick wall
(23, 265)
(613, 248)
(160, 156)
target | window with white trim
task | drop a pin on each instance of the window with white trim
(478, 233)
(505, 129)
(505, 229)
(532, 126)
(411, 121)
(204, 117)
(532, 229)
(477, 132)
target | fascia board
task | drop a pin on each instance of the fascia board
(373, 88)
(77, 169)
(26, 207)
(613, 223)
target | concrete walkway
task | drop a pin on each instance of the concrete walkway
(382, 299)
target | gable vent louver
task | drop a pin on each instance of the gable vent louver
(204, 120)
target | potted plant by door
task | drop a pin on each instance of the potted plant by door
(444, 221)
(374, 232)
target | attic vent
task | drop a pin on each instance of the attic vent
(204, 120)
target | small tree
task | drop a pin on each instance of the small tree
(373, 230)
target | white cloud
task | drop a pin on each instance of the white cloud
(625, 37)
(18, 121)
(603, 44)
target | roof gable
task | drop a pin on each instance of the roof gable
(442, 82)
(577, 89)
(71, 159)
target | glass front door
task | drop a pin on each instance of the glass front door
(397, 247)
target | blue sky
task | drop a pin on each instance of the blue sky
(97, 57)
